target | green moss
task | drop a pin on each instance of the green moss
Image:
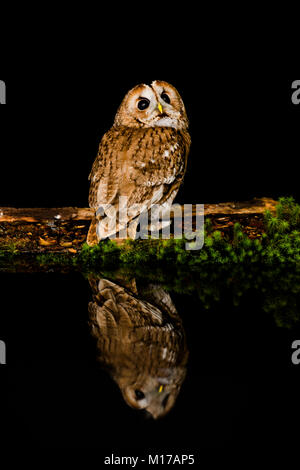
(280, 243)
(54, 259)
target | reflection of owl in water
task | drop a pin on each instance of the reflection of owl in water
(142, 157)
(141, 342)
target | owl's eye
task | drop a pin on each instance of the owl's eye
(166, 98)
(143, 104)
(139, 395)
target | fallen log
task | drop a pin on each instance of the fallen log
(64, 230)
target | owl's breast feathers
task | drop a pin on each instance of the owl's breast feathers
(146, 165)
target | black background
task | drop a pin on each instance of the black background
(243, 128)
(60, 398)
(245, 133)
(241, 389)
(240, 380)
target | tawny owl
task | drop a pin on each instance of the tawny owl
(141, 341)
(141, 158)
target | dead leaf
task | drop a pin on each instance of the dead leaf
(43, 242)
(76, 242)
(66, 244)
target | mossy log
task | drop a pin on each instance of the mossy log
(64, 230)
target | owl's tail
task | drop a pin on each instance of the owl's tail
(92, 238)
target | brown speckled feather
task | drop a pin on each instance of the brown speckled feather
(141, 340)
(142, 157)
(138, 163)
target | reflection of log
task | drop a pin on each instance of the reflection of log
(38, 230)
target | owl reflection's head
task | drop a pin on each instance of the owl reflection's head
(156, 395)
(158, 104)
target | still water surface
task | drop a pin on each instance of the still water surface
(150, 361)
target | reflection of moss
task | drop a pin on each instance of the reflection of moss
(276, 290)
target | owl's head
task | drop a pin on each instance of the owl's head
(155, 394)
(158, 104)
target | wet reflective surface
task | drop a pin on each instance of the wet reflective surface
(141, 340)
(140, 361)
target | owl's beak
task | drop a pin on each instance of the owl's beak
(160, 389)
(160, 108)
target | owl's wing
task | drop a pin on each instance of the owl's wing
(103, 184)
(114, 309)
(146, 165)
